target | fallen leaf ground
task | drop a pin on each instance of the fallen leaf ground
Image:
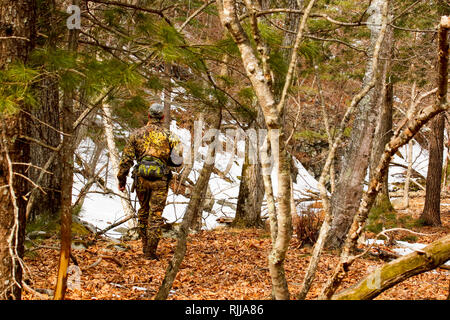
(220, 264)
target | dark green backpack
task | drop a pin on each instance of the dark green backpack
(151, 168)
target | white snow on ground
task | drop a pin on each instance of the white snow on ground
(402, 247)
(102, 210)
(420, 162)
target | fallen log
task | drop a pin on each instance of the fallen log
(431, 257)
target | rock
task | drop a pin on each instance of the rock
(128, 234)
(118, 246)
(170, 230)
(225, 220)
(89, 226)
(37, 234)
(79, 245)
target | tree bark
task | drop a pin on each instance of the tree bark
(402, 136)
(349, 188)
(47, 91)
(431, 211)
(251, 188)
(383, 134)
(259, 75)
(67, 166)
(17, 28)
(431, 214)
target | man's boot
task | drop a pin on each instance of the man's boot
(152, 245)
(144, 241)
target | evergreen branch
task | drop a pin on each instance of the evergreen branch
(92, 107)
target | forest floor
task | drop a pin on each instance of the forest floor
(220, 264)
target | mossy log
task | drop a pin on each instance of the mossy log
(394, 272)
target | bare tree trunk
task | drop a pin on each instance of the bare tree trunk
(48, 112)
(67, 166)
(408, 174)
(400, 137)
(166, 101)
(251, 188)
(324, 230)
(383, 131)
(114, 158)
(17, 21)
(194, 206)
(383, 134)
(257, 69)
(431, 214)
(349, 188)
(46, 122)
(431, 211)
(268, 187)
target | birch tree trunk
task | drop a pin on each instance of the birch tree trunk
(114, 158)
(257, 69)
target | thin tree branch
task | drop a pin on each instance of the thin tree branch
(196, 13)
(293, 62)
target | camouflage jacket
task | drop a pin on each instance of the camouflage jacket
(150, 140)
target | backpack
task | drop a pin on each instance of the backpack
(151, 168)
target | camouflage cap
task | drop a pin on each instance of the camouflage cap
(156, 110)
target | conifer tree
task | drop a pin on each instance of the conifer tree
(17, 39)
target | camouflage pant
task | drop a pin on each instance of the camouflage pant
(152, 197)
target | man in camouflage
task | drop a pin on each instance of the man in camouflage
(152, 140)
